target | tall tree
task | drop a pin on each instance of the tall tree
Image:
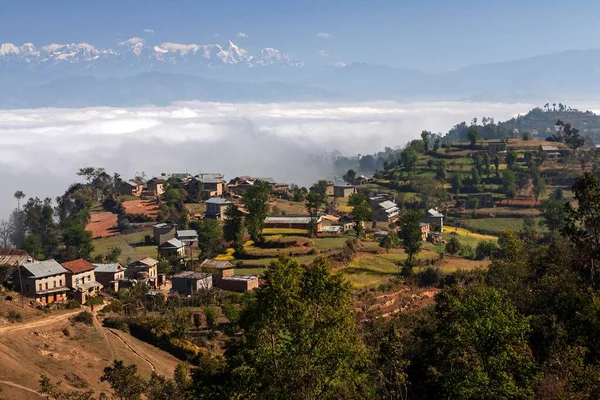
(124, 381)
(487, 163)
(6, 233)
(410, 232)
(539, 186)
(233, 227)
(78, 243)
(256, 203)
(361, 211)
(314, 202)
(425, 137)
(300, 338)
(19, 195)
(210, 237)
(409, 159)
(509, 184)
(350, 176)
(511, 159)
(473, 135)
(478, 348)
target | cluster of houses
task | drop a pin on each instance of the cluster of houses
(50, 282)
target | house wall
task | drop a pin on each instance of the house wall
(343, 191)
(163, 234)
(424, 232)
(157, 189)
(170, 252)
(436, 223)
(236, 285)
(74, 280)
(189, 286)
(105, 278)
(152, 272)
(291, 226)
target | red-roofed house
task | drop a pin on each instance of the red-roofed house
(82, 279)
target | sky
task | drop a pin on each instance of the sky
(42, 149)
(432, 35)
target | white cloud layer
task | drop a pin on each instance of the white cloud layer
(41, 149)
(242, 35)
(323, 53)
(325, 35)
(146, 30)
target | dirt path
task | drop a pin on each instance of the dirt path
(38, 322)
(116, 333)
(102, 330)
(15, 385)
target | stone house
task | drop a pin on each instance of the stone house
(343, 189)
(109, 275)
(386, 211)
(216, 207)
(155, 186)
(173, 248)
(130, 188)
(424, 227)
(45, 281)
(81, 279)
(225, 278)
(188, 282)
(435, 219)
(209, 184)
(292, 222)
(164, 231)
(145, 270)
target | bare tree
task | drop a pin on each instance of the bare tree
(6, 231)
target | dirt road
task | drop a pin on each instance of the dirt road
(38, 322)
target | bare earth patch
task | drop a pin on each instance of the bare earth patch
(146, 207)
(102, 224)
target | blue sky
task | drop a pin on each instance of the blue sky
(425, 34)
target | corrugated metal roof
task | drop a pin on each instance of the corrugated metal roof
(187, 233)
(550, 148)
(15, 259)
(172, 243)
(434, 213)
(191, 275)
(270, 181)
(387, 204)
(289, 220)
(241, 278)
(209, 263)
(218, 200)
(89, 285)
(342, 184)
(331, 229)
(41, 269)
(114, 267)
(150, 262)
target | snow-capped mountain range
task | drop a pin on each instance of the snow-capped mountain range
(135, 52)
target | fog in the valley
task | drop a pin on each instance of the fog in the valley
(42, 149)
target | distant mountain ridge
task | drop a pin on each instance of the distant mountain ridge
(29, 74)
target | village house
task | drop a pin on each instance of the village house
(188, 282)
(109, 275)
(496, 147)
(343, 189)
(225, 279)
(188, 237)
(240, 184)
(184, 177)
(292, 222)
(485, 200)
(145, 270)
(424, 227)
(164, 231)
(362, 180)
(435, 219)
(130, 188)
(45, 281)
(551, 151)
(216, 207)
(81, 279)
(331, 230)
(155, 186)
(173, 248)
(12, 259)
(386, 211)
(209, 184)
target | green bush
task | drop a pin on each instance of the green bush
(95, 301)
(72, 304)
(211, 315)
(84, 317)
(453, 246)
(116, 323)
(114, 306)
(485, 249)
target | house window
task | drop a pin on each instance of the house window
(40, 287)
(60, 282)
(54, 283)
(76, 281)
(46, 285)
(27, 288)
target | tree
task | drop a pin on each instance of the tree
(6, 233)
(511, 159)
(255, 200)
(321, 187)
(124, 381)
(453, 246)
(425, 137)
(210, 237)
(361, 211)
(440, 169)
(367, 163)
(350, 176)
(539, 186)
(314, 201)
(456, 182)
(409, 159)
(497, 165)
(553, 212)
(473, 135)
(233, 226)
(53, 391)
(509, 184)
(582, 224)
(390, 241)
(78, 243)
(436, 144)
(487, 163)
(570, 135)
(478, 348)
(475, 177)
(19, 195)
(410, 232)
(300, 338)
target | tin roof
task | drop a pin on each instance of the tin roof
(187, 233)
(434, 213)
(42, 269)
(342, 184)
(241, 278)
(218, 200)
(289, 220)
(113, 267)
(387, 204)
(191, 275)
(15, 259)
(150, 262)
(550, 148)
(209, 263)
(172, 243)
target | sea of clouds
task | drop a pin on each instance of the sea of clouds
(42, 149)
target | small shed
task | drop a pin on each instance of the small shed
(188, 282)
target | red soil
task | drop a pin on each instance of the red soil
(102, 224)
(145, 207)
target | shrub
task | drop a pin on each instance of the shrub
(430, 276)
(116, 323)
(72, 304)
(211, 315)
(484, 249)
(114, 306)
(95, 301)
(84, 317)
(14, 316)
(453, 246)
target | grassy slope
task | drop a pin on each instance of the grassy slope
(131, 244)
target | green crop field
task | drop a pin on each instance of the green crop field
(131, 244)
